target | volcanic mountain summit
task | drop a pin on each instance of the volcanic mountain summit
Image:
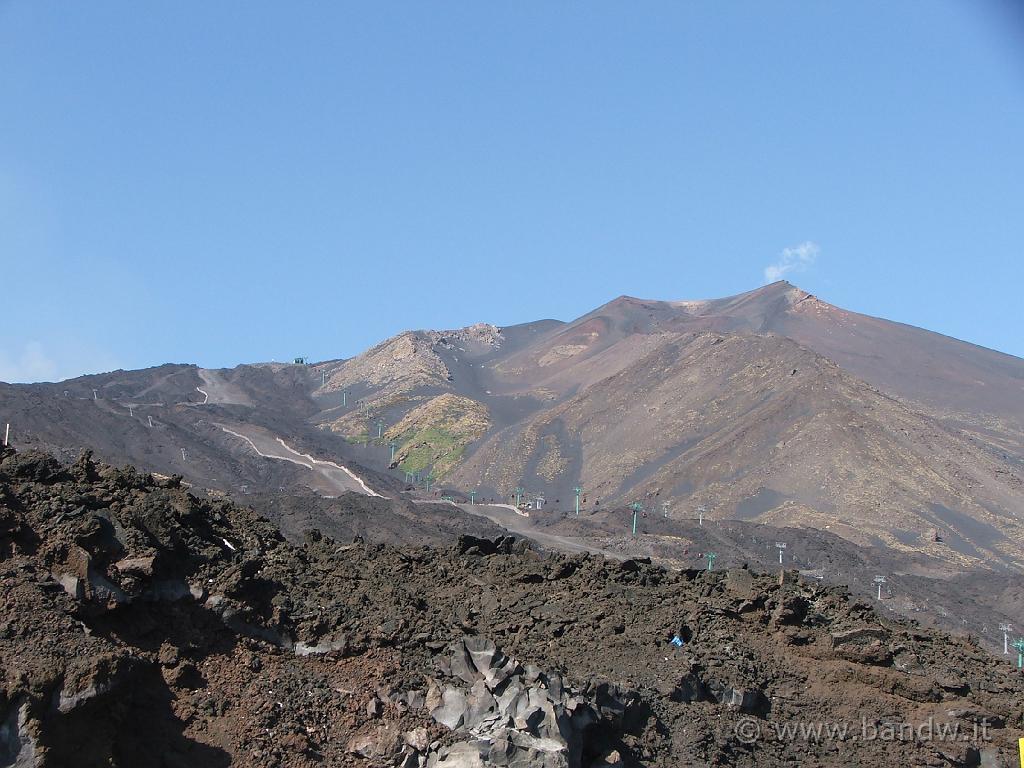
(770, 406)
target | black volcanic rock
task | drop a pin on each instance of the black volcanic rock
(142, 625)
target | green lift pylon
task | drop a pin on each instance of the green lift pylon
(577, 490)
(393, 444)
(711, 560)
(1018, 644)
(380, 429)
(519, 495)
(472, 497)
(636, 506)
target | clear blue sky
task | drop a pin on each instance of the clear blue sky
(240, 181)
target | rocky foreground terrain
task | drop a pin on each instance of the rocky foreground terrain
(143, 626)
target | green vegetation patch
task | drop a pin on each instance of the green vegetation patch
(433, 447)
(436, 434)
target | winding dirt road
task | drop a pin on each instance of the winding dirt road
(336, 477)
(515, 522)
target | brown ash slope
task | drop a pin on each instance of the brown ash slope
(758, 427)
(144, 626)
